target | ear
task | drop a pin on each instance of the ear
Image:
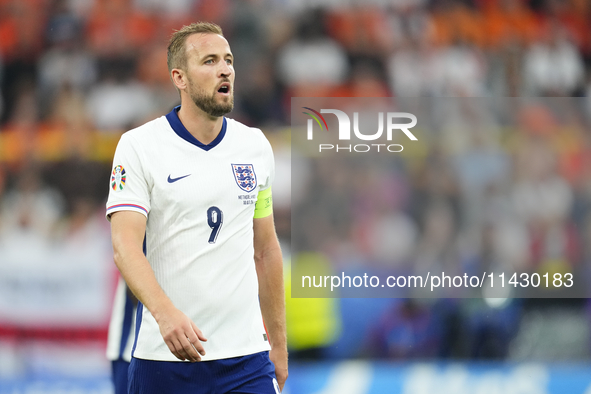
(178, 78)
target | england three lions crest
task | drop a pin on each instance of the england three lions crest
(245, 176)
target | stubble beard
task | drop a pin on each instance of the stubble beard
(208, 104)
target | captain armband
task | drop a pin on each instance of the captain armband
(264, 205)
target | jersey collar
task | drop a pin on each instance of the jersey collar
(181, 131)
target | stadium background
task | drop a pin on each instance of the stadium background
(76, 74)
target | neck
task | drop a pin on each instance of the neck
(202, 126)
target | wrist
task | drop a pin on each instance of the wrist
(160, 310)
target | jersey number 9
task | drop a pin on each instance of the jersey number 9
(215, 218)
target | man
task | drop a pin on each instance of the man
(194, 238)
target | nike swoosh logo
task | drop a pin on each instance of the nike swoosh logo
(171, 180)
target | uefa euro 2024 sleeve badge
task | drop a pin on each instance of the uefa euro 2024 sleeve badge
(118, 178)
(245, 176)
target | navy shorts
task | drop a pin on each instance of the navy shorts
(119, 372)
(252, 374)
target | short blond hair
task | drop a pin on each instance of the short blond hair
(177, 57)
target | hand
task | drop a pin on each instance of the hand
(181, 335)
(279, 358)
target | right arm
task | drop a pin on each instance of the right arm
(181, 334)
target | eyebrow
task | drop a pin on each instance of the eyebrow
(215, 56)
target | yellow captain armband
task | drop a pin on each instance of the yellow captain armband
(264, 205)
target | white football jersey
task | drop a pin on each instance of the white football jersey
(199, 201)
(122, 325)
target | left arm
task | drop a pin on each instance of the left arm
(269, 267)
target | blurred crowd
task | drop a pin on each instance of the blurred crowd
(75, 74)
(492, 185)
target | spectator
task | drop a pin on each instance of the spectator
(309, 47)
(552, 65)
(118, 101)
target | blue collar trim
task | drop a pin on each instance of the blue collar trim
(181, 131)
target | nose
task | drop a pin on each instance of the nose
(226, 69)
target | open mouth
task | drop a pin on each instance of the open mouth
(224, 89)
